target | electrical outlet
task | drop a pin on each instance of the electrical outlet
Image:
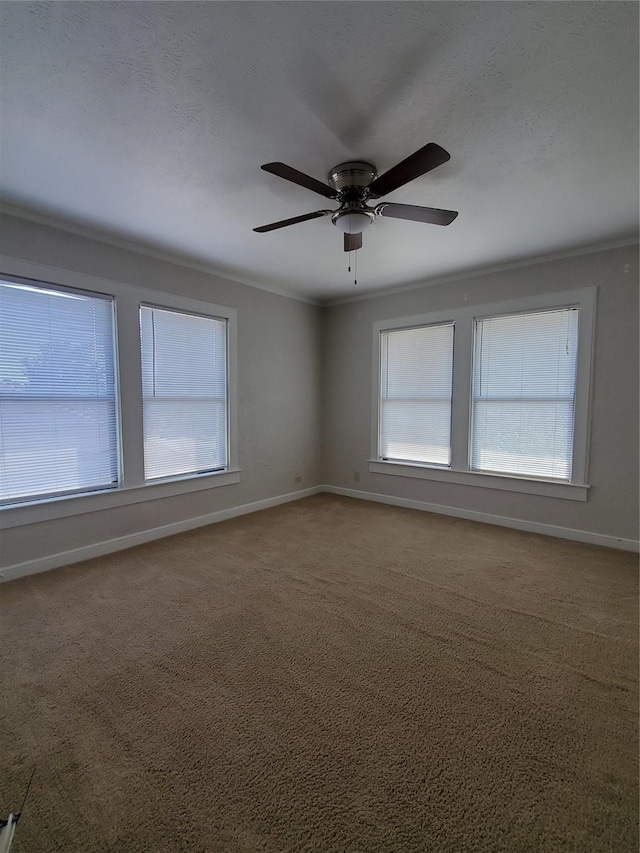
(356, 476)
(298, 480)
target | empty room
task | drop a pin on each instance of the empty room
(319, 431)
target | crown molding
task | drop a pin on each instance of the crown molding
(109, 239)
(488, 270)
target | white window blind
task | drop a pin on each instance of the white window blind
(523, 393)
(184, 390)
(58, 421)
(416, 373)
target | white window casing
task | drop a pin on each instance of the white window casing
(58, 403)
(184, 393)
(131, 486)
(550, 372)
(415, 391)
(523, 394)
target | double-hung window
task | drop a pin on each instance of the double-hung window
(184, 393)
(524, 384)
(110, 397)
(416, 385)
(58, 410)
(493, 396)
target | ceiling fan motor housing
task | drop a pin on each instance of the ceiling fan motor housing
(355, 173)
(352, 180)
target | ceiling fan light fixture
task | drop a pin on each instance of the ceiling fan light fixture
(352, 221)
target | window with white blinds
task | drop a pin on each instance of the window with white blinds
(58, 413)
(416, 383)
(524, 384)
(184, 391)
(496, 396)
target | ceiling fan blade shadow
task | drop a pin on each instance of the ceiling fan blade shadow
(412, 167)
(329, 100)
(353, 121)
(352, 242)
(395, 85)
(296, 177)
(416, 213)
(294, 221)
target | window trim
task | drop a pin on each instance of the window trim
(460, 472)
(437, 465)
(132, 487)
(47, 286)
(224, 319)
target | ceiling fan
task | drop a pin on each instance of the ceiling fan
(354, 183)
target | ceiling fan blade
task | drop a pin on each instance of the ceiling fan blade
(412, 167)
(296, 177)
(432, 215)
(284, 222)
(352, 242)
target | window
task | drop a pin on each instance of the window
(58, 413)
(110, 394)
(494, 396)
(416, 385)
(523, 393)
(184, 392)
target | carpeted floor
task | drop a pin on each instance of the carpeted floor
(328, 675)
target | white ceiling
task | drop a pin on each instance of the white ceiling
(149, 122)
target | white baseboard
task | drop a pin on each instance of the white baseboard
(499, 520)
(110, 546)
(99, 549)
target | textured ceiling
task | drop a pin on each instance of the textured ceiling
(149, 122)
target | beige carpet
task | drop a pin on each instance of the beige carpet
(329, 675)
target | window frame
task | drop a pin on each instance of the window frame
(225, 320)
(460, 471)
(476, 399)
(97, 489)
(132, 488)
(438, 465)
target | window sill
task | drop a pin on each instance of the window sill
(17, 515)
(546, 488)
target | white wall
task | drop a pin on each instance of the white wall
(612, 505)
(304, 399)
(279, 359)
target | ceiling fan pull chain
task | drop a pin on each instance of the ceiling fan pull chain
(355, 277)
